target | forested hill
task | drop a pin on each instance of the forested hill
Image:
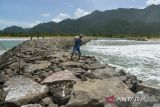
(117, 21)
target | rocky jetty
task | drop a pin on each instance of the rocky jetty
(39, 73)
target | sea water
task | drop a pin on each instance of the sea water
(9, 43)
(140, 58)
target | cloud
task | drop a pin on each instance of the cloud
(45, 14)
(33, 24)
(77, 14)
(156, 2)
(60, 17)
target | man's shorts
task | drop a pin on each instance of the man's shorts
(76, 49)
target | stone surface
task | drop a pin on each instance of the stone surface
(47, 100)
(2, 79)
(41, 65)
(52, 105)
(32, 105)
(41, 58)
(148, 88)
(146, 101)
(104, 73)
(110, 105)
(61, 95)
(72, 64)
(93, 92)
(22, 90)
(8, 104)
(59, 77)
(2, 95)
(156, 105)
(93, 66)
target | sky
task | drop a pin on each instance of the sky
(28, 13)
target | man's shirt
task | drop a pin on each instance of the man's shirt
(77, 43)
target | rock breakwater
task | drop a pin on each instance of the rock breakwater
(39, 73)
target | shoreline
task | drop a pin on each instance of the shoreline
(42, 59)
(52, 37)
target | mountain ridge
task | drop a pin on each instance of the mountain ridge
(116, 21)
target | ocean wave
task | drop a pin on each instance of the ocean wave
(137, 58)
(2, 51)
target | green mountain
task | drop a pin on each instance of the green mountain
(117, 21)
(14, 29)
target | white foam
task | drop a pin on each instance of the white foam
(2, 51)
(138, 58)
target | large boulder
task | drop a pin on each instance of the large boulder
(104, 73)
(22, 90)
(38, 66)
(93, 93)
(60, 77)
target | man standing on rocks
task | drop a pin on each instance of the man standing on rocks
(77, 44)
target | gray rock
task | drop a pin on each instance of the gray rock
(57, 69)
(37, 78)
(156, 105)
(2, 94)
(8, 104)
(28, 75)
(47, 100)
(32, 105)
(55, 61)
(59, 77)
(61, 95)
(41, 65)
(79, 73)
(110, 105)
(145, 100)
(93, 66)
(68, 65)
(148, 88)
(52, 105)
(8, 71)
(104, 73)
(93, 93)
(2, 79)
(22, 90)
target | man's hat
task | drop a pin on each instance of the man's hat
(81, 35)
